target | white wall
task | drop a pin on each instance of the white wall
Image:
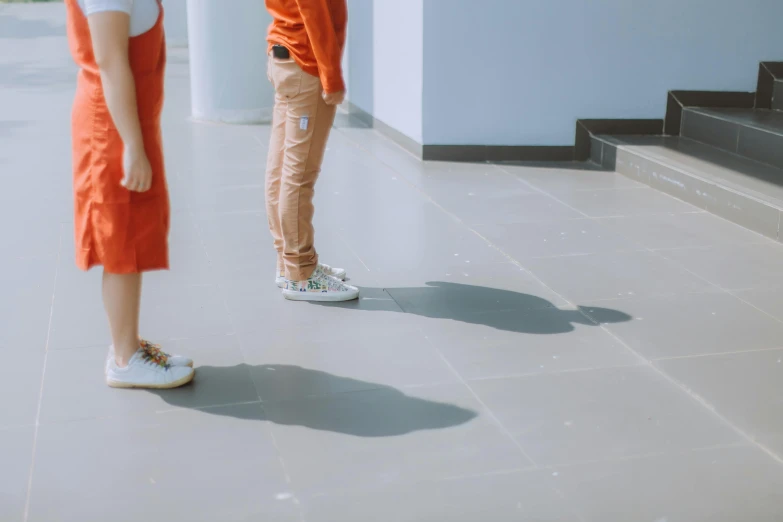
(398, 65)
(228, 50)
(513, 72)
(359, 54)
(385, 61)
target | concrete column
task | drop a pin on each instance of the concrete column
(175, 22)
(227, 43)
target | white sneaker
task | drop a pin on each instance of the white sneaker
(146, 371)
(320, 287)
(338, 273)
(155, 351)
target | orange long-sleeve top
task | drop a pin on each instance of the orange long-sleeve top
(313, 31)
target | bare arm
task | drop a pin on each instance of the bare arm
(109, 31)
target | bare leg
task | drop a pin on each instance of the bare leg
(122, 301)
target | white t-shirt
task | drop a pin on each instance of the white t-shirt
(143, 13)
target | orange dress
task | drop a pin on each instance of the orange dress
(126, 232)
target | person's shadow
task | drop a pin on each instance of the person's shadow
(295, 396)
(496, 308)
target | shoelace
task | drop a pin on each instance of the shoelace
(154, 353)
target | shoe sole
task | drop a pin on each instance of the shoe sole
(176, 384)
(319, 297)
(281, 284)
(189, 365)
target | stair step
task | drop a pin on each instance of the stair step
(754, 133)
(777, 95)
(736, 188)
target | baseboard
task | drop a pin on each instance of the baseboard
(678, 100)
(462, 153)
(497, 153)
(390, 132)
(587, 128)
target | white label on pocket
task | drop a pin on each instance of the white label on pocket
(303, 121)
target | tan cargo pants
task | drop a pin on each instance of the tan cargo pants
(300, 129)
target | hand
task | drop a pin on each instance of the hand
(334, 98)
(137, 170)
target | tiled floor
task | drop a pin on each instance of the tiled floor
(533, 343)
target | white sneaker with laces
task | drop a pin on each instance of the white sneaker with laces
(320, 287)
(155, 351)
(146, 371)
(338, 273)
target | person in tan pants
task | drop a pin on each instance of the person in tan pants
(306, 41)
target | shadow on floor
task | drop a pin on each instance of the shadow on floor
(492, 307)
(337, 404)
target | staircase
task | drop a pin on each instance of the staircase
(726, 160)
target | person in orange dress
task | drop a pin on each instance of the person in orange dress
(121, 198)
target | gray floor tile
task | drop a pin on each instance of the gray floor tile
(769, 300)
(722, 381)
(614, 276)
(560, 181)
(75, 385)
(454, 182)
(520, 207)
(78, 317)
(669, 231)
(722, 485)
(194, 311)
(248, 198)
(426, 249)
(695, 324)
(16, 454)
(501, 344)
(522, 497)
(558, 238)
(372, 438)
(294, 368)
(20, 385)
(734, 267)
(626, 202)
(601, 414)
(28, 286)
(35, 239)
(78, 472)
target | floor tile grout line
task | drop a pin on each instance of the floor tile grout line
(270, 433)
(697, 398)
(733, 293)
(544, 193)
(716, 354)
(728, 291)
(43, 377)
(484, 405)
(647, 362)
(351, 250)
(206, 408)
(644, 456)
(532, 375)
